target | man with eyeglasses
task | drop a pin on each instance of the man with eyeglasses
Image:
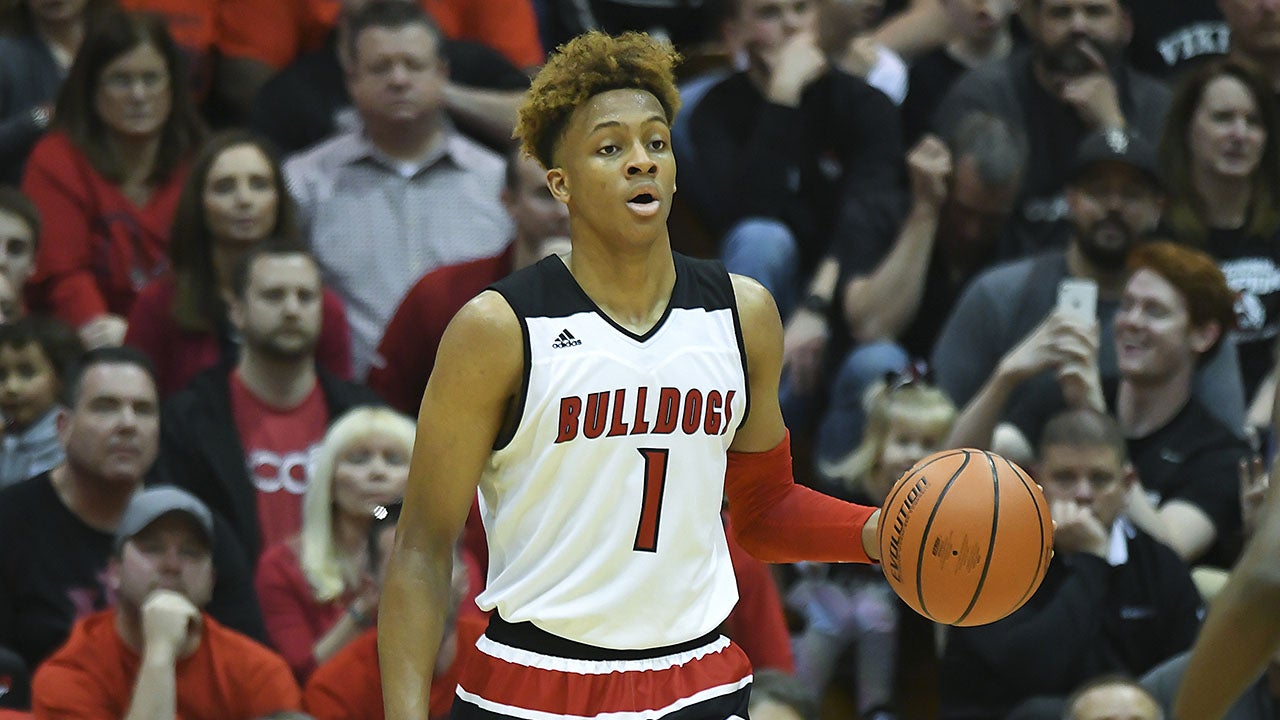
(1114, 600)
(1005, 334)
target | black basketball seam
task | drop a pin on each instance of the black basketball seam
(924, 538)
(900, 486)
(991, 541)
(1040, 519)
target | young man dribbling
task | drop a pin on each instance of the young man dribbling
(603, 403)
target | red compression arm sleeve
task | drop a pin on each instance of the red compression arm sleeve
(778, 521)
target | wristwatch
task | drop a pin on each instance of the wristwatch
(40, 116)
(814, 302)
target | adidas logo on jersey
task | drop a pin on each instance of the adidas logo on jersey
(565, 340)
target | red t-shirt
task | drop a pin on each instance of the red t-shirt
(229, 677)
(97, 249)
(278, 31)
(349, 686)
(278, 446)
(180, 355)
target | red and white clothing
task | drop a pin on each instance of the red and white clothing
(278, 447)
(97, 249)
(602, 509)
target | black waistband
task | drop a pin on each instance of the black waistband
(527, 636)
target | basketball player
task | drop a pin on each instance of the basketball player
(604, 402)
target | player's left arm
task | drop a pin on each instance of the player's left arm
(775, 519)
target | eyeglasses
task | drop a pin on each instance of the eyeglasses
(120, 83)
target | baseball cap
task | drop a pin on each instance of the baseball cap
(148, 505)
(1118, 146)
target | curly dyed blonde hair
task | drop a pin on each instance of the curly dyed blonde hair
(584, 67)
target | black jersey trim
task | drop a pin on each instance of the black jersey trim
(527, 636)
(742, 356)
(508, 434)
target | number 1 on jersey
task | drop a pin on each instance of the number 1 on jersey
(655, 480)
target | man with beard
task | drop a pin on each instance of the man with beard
(1071, 81)
(1115, 200)
(240, 437)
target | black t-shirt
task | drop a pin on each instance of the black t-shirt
(685, 22)
(1170, 35)
(1088, 618)
(841, 149)
(930, 78)
(1195, 458)
(53, 567)
(1252, 267)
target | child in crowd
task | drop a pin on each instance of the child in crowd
(852, 607)
(35, 354)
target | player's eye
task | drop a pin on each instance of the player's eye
(608, 150)
(658, 144)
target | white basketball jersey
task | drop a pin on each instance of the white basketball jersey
(602, 507)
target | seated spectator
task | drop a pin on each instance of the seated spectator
(157, 653)
(308, 102)
(36, 354)
(38, 41)
(241, 435)
(193, 25)
(317, 589)
(407, 351)
(260, 37)
(757, 623)
(1116, 200)
(349, 685)
(1072, 81)
(19, 235)
(10, 303)
(897, 294)
(106, 180)
(852, 607)
(1251, 25)
(690, 26)
(234, 197)
(1172, 313)
(778, 696)
(785, 145)
(1221, 161)
(1114, 599)
(385, 205)
(844, 35)
(1109, 698)
(1171, 38)
(56, 528)
(979, 33)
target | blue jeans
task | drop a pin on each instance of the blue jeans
(765, 250)
(841, 428)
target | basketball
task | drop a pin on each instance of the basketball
(965, 537)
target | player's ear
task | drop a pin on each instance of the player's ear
(558, 184)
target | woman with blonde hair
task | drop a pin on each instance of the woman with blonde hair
(851, 607)
(318, 591)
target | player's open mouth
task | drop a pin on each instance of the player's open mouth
(644, 204)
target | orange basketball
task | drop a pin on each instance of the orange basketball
(965, 537)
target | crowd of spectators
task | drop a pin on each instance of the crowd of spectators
(232, 233)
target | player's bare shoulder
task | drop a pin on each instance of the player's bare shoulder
(483, 343)
(757, 311)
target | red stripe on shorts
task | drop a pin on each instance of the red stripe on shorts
(524, 680)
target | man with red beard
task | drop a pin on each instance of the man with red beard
(1005, 334)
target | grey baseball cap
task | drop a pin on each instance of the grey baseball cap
(150, 504)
